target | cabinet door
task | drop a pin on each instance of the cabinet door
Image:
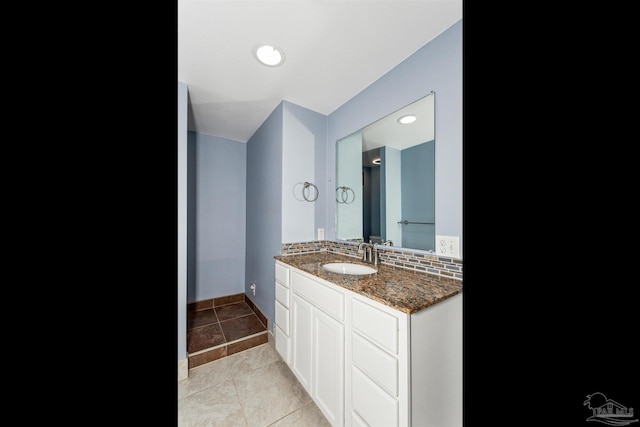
(301, 336)
(328, 379)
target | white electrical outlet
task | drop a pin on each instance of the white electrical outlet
(448, 246)
(320, 233)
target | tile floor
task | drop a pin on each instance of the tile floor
(218, 331)
(252, 388)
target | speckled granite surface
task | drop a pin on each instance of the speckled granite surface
(405, 290)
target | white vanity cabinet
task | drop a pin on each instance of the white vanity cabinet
(282, 312)
(317, 360)
(365, 363)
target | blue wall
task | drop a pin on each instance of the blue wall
(349, 174)
(264, 210)
(418, 196)
(281, 156)
(303, 131)
(219, 196)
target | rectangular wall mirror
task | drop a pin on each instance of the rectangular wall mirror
(385, 179)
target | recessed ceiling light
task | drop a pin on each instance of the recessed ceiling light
(271, 56)
(410, 118)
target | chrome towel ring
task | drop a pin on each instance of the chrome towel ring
(343, 196)
(306, 192)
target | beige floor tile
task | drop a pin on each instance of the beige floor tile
(251, 388)
(269, 393)
(216, 406)
(253, 358)
(204, 376)
(307, 416)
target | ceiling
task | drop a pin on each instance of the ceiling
(334, 49)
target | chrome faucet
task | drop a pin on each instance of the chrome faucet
(370, 252)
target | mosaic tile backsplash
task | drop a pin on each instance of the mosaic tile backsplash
(405, 258)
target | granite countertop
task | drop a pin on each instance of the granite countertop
(405, 290)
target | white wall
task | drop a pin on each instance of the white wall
(182, 224)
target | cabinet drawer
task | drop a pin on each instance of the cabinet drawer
(282, 274)
(319, 294)
(283, 345)
(282, 294)
(376, 363)
(375, 324)
(371, 402)
(282, 318)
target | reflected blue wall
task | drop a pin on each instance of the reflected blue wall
(418, 196)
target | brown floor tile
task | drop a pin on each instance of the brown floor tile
(230, 311)
(200, 318)
(241, 327)
(204, 337)
(247, 344)
(207, 357)
(205, 327)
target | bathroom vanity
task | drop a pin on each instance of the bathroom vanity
(381, 349)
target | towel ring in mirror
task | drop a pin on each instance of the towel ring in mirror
(343, 196)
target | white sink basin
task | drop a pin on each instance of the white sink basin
(348, 268)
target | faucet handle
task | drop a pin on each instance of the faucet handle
(363, 247)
